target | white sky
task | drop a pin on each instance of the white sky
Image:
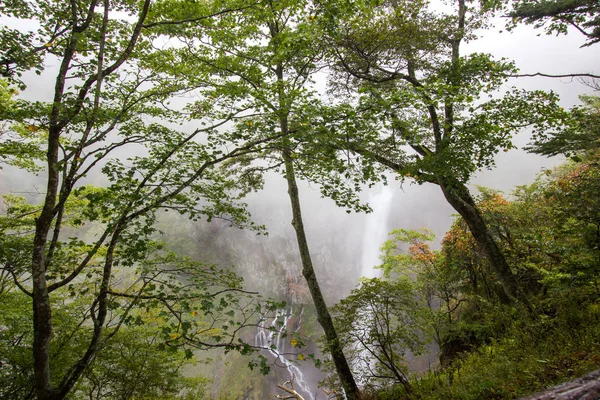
(534, 51)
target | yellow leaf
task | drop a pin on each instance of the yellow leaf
(293, 342)
(300, 356)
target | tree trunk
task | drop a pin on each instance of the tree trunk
(458, 196)
(323, 316)
(42, 311)
(42, 322)
(335, 348)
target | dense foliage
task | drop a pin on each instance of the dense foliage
(97, 244)
(549, 231)
(183, 106)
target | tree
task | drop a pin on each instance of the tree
(549, 234)
(559, 15)
(134, 363)
(583, 135)
(461, 250)
(184, 304)
(443, 284)
(107, 98)
(19, 145)
(265, 58)
(379, 323)
(403, 61)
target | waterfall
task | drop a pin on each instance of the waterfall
(270, 336)
(376, 230)
(375, 234)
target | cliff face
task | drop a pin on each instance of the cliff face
(584, 388)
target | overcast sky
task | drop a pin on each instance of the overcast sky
(534, 51)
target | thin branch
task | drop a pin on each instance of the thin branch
(9, 269)
(167, 298)
(197, 19)
(582, 75)
(291, 390)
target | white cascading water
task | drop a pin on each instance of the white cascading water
(376, 230)
(375, 234)
(274, 342)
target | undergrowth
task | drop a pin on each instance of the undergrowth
(532, 356)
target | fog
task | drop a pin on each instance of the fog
(270, 263)
(335, 237)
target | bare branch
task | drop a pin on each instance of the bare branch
(293, 394)
(582, 75)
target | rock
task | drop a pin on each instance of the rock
(584, 388)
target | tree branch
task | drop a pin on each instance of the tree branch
(582, 75)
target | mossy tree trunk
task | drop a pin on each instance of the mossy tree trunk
(323, 316)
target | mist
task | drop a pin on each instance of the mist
(345, 246)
